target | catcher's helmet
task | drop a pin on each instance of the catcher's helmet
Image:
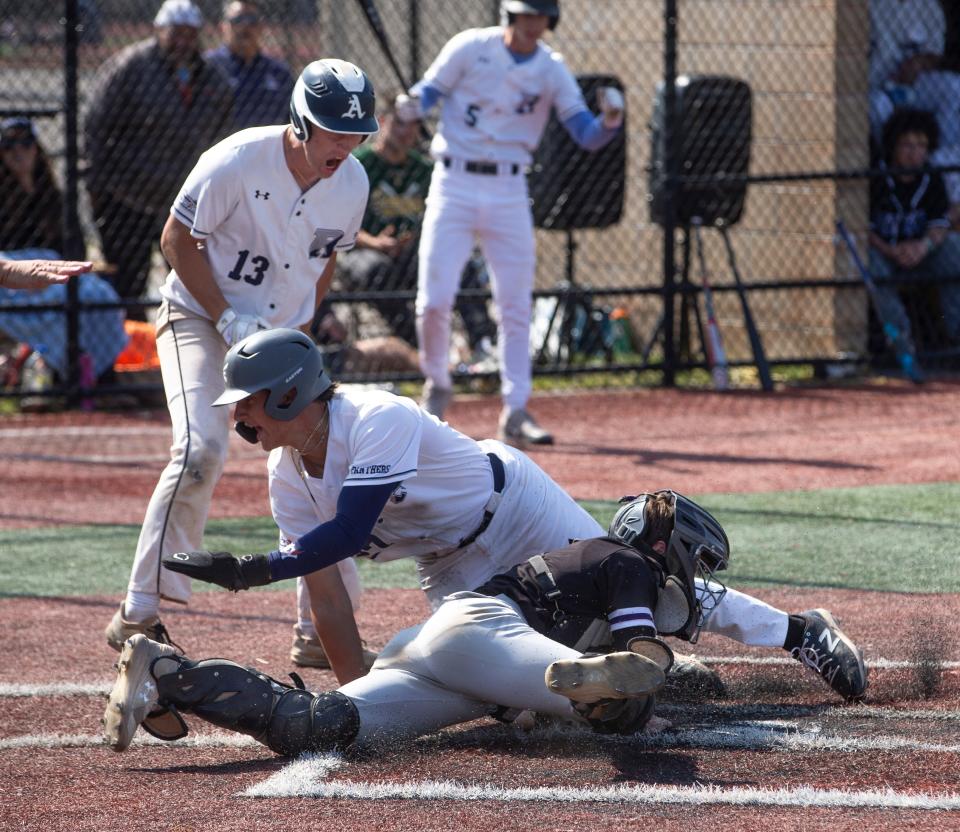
(551, 8)
(334, 95)
(697, 548)
(278, 361)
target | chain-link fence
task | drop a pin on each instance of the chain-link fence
(752, 128)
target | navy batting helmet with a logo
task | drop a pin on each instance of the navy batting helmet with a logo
(551, 8)
(334, 95)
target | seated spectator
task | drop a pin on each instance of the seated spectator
(385, 256)
(910, 238)
(907, 39)
(261, 85)
(102, 334)
(32, 210)
(154, 107)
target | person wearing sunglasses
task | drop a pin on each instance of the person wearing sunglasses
(32, 202)
(261, 84)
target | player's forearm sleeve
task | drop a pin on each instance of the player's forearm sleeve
(588, 131)
(358, 508)
(429, 96)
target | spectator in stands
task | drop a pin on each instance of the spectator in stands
(910, 237)
(385, 257)
(155, 107)
(906, 40)
(261, 85)
(32, 205)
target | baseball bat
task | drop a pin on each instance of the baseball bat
(759, 353)
(895, 338)
(716, 354)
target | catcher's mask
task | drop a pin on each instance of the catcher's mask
(697, 548)
(279, 361)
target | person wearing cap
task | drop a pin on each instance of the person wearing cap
(261, 84)
(252, 239)
(385, 258)
(155, 107)
(32, 207)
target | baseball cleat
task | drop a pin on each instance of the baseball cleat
(613, 676)
(134, 694)
(120, 629)
(520, 429)
(827, 651)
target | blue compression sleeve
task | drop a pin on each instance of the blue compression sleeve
(429, 96)
(358, 508)
(587, 130)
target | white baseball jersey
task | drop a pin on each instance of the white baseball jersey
(495, 108)
(268, 242)
(377, 438)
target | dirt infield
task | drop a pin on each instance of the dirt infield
(102, 467)
(777, 752)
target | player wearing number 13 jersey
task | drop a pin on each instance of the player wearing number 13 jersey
(252, 239)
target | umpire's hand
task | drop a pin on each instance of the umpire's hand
(221, 568)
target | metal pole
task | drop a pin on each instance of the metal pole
(670, 186)
(74, 248)
(413, 14)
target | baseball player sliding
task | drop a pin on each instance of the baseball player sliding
(371, 474)
(252, 238)
(497, 87)
(515, 643)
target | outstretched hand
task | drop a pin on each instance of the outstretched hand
(221, 568)
(38, 274)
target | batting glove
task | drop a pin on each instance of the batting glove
(612, 105)
(407, 108)
(221, 568)
(234, 327)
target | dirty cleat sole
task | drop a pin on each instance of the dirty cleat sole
(134, 694)
(613, 676)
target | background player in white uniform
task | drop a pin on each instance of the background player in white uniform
(374, 475)
(497, 86)
(513, 644)
(252, 238)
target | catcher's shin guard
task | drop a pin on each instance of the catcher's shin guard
(287, 720)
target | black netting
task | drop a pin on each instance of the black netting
(752, 129)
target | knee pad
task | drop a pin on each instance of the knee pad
(287, 720)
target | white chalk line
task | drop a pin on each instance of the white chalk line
(747, 735)
(878, 664)
(306, 777)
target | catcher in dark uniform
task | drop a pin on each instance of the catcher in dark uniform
(533, 638)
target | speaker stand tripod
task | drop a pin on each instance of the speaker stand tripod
(689, 295)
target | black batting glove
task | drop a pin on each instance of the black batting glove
(221, 568)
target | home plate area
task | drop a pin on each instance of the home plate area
(717, 755)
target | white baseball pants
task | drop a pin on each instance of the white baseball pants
(461, 208)
(191, 353)
(472, 653)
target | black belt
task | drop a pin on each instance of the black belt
(499, 478)
(484, 168)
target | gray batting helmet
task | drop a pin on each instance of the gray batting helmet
(334, 95)
(697, 548)
(278, 361)
(551, 8)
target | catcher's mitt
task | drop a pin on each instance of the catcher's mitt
(617, 716)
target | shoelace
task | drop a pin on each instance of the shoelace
(164, 638)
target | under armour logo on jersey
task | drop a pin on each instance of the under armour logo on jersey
(324, 241)
(355, 110)
(262, 194)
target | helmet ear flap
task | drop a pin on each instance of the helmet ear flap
(301, 128)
